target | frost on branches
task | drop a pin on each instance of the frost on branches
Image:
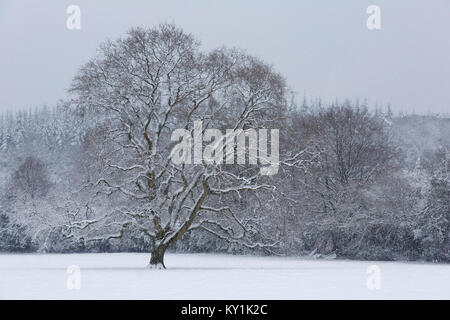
(148, 84)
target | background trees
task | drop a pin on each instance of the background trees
(435, 223)
(30, 179)
(391, 216)
(354, 191)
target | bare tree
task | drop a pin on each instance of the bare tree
(355, 149)
(148, 84)
(31, 178)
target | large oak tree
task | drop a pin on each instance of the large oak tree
(148, 84)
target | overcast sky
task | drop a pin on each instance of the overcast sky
(322, 47)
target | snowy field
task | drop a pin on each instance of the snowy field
(202, 276)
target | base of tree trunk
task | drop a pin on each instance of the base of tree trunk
(156, 266)
(157, 259)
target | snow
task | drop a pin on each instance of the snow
(203, 276)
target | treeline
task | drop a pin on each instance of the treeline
(374, 186)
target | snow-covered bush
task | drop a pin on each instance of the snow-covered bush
(435, 230)
(13, 237)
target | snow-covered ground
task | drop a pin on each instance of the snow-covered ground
(203, 276)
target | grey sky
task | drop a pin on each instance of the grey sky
(322, 47)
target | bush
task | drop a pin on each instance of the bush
(13, 237)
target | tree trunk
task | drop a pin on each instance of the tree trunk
(157, 257)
